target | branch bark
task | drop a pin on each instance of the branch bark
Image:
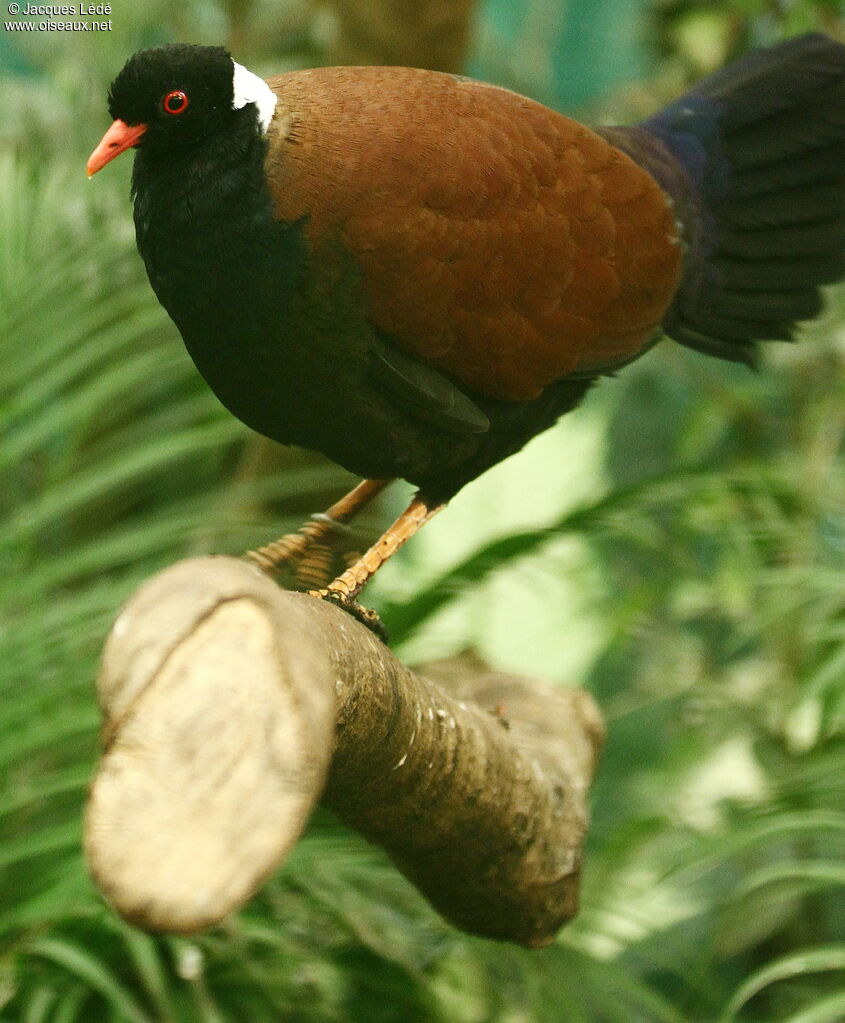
(231, 706)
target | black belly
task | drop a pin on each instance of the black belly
(300, 373)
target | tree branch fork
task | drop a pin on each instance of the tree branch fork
(231, 707)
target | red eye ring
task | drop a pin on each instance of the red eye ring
(175, 102)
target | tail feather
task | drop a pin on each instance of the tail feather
(762, 147)
(763, 274)
(768, 81)
(807, 238)
(733, 329)
(786, 206)
(813, 168)
(780, 305)
(788, 135)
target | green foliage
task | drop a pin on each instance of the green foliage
(698, 540)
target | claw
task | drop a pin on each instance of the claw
(365, 615)
(322, 529)
(312, 549)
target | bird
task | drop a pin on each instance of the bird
(415, 272)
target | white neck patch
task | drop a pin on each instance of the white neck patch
(249, 88)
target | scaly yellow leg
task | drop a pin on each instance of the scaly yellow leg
(348, 585)
(318, 529)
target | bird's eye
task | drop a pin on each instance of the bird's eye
(175, 102)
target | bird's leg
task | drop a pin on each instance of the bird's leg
(346, 587)
(318, 530)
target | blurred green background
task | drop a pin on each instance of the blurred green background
(677, 546)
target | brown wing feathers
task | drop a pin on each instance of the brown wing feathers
(499, 242)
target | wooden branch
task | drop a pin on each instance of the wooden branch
(231, 706)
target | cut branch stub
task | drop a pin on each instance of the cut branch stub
(228, 705)
(218, 734)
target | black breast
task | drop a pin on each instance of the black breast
(224, 269)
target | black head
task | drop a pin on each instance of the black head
(174, 97)
(179, 92)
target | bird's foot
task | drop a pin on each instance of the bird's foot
(318, 536)
(311, 558)
(365, 615)
(307, 559)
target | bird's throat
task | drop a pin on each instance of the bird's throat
(219, 262)
(204, 219)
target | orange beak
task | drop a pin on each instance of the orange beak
(120, 137)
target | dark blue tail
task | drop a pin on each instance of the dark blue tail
(762, 146)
